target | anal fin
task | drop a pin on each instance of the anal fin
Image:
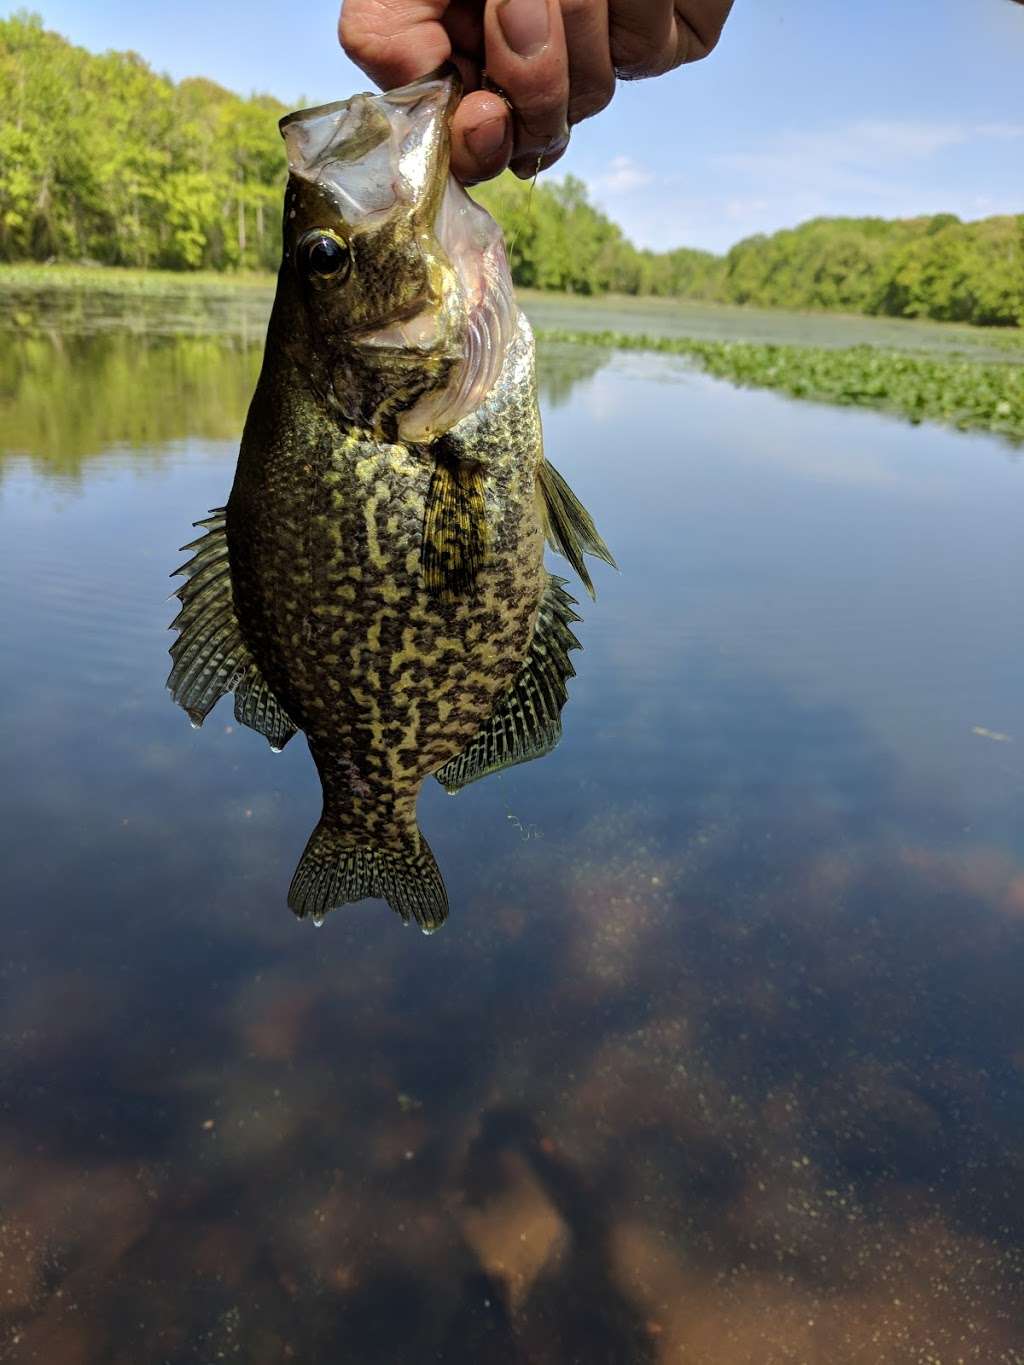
(527, 721)
(210, 657)
(257, 707)
(568, 526)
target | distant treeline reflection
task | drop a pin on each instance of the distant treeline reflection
(102, 159)
(68, 396)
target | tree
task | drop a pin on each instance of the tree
(103, 159)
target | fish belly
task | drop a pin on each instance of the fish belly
(385, 679)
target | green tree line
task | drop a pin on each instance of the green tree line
(102, 159)
(937, 267)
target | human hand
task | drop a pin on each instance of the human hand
(556, 62)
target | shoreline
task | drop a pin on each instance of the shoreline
(133, 279)
(970, 378)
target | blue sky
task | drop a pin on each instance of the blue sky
(890, 107)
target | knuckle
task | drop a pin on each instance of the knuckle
(590, 100)
(355, 39)
(368, 35)
(577, 9)
(553, 156)
(700, 25)
(635, 58)
(533, 143)
(540, 109)
(699, 48)
(631, 53)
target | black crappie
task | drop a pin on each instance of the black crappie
(377, 578)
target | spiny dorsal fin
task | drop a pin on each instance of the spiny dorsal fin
(527, 720)
(568, 525)
(454, 528)
(336, 869)
(210, 657)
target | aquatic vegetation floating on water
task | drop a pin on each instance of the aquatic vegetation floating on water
(966, 394)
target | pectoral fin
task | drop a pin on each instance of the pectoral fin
(209, 656)
(454, 529)
(527, 720)
(568, 525)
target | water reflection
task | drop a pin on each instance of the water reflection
(139, 308)
(718, 1095)
(68, 395)
(68, 399)
(724, 1062)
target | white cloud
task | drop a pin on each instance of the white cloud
(1000, 129)
(898, 139)
(623, 174)
(740, 210)
(895, 168)
(856, 158)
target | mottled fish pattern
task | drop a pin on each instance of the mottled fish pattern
(383, 589)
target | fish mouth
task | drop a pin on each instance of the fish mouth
(445, 79)
(374, 155)
(371, 152)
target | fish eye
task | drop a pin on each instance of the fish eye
(323, 256)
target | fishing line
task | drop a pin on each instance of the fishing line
(486, 83)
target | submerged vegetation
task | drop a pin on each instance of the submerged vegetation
(966, 394)
(104, 160)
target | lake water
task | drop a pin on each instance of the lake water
(720, 1056)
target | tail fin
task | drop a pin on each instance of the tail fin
(335, 870)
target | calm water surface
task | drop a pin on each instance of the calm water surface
(720, 1056)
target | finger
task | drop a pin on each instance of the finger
(644, 38)
(464, 23)
(648, 39)
(525, 56)
(591, 76)
(481, 137)
(699, 24)
(394, 41)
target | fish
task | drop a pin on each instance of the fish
(377, 576)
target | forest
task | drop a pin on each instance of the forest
(103, 160)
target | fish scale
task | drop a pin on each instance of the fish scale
(377, 579)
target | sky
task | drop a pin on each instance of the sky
(886, 107)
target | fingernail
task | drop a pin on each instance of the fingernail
(524, 24)
(487, 141)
